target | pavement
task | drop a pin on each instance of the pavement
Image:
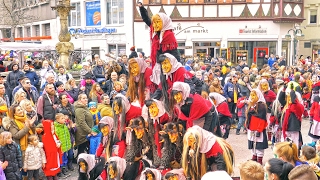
(239, 144)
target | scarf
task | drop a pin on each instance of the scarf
(297, 109)
(20, 123)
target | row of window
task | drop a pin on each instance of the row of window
(215, 1)
(25, 3)
(36, 30)
(115, 13)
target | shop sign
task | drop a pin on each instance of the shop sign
(73, 31)
(253, 31)
(196, 29)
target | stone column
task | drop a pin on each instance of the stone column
(64, 47)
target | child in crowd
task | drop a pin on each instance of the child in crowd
(118, 88)
(10, 152)
(52, 149)
(63, 134)
(34, 158)
(39, 131)
(94, 140)
(95, 113)
(242, 107)
(309, 154)
(72, 130)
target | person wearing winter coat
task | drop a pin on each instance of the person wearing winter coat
(35, 158)
(46, 69)
(94, 140)
(13, 77)
(31, 74)
(10, 152)
(84, 121)
(63, 134)
(61, 90)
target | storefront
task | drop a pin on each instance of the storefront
(233, 40)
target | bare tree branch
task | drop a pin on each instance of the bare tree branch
(14, 14)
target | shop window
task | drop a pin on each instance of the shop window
(115, 11)
(307, 45)
(181, 44)
(74, 18)
(154, 1)
(182, 1)
(313, 16)
(239, 0)
(210, 1)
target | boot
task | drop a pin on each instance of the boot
(65, 171)
(260, 160)
(238, 132)
(70, 167)
(254, 158)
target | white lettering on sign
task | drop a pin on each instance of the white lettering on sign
(253, 31)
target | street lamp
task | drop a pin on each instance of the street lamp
(294, 35)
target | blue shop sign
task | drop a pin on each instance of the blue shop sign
(73, 31)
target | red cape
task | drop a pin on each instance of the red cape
(169, 42)
(223, 108)
(199, 107)
(51, 150)
(178, 76)
(133, 112)
(297, 109)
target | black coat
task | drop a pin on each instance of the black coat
(12, 154)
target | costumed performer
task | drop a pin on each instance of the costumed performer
(193, 109)
(314, 131)
(162, 36)
(138, 146)
(223, 112)
(167, 71)
(154, 113)
(291, 115)
(140, 86)
(116, 168)
(90, 167)
(175, 174)
(150, 174)
(123, 112)
(256, 124)
(203, 152)
(269, 97)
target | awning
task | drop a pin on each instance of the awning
(19, 46)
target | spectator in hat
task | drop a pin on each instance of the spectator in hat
(86, 69)
(31, 74)
(86, 84)
(133, 52)
(141, 55)
(30, 90)
(188, 66)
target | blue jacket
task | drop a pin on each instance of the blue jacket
(34, 78)
(94, 143)
(271, 61)
(228, 90)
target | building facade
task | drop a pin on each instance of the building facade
(37, 26)
(233, 29)
(310, 46)
(102, 26)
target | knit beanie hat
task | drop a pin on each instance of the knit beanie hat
(92, 104)
(95, 129)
